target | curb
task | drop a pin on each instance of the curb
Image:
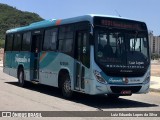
(154, 90)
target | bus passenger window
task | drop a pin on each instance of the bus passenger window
(50, 40)
(9, 42)
(17, 42)
(66, 39)
(26, 41)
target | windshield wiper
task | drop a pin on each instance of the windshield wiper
(134, 42)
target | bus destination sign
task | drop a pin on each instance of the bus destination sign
(119, 23)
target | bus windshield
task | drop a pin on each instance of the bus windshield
(121, 49)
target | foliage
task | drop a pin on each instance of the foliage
(2, 43)
(11, 17)
(155, 56)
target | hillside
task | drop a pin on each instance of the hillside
(11, 17)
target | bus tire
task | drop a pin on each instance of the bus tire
(21, 80)
(66, 87)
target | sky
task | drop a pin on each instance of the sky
(142, 10)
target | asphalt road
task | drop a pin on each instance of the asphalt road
(45, 98)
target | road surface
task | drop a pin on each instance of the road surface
(44, 98)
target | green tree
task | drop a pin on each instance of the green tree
(11, 17)
(155, 56)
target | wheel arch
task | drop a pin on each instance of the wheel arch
(60, 75)
(20, 66)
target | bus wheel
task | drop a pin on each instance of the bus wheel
(21, 80)
(112, 96)
(66, 86)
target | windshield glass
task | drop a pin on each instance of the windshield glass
(138, 42)
(121, 47)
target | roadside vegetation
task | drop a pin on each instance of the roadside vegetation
(155, 57)
(10, 17)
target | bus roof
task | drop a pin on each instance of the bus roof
(55, 22)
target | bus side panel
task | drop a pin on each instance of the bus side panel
(26, 64)
(52, 62)
(7, 62)
(14, 64)
(50, 65)
(20, 59)
(47, 70)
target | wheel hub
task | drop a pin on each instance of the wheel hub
(67, 86)
(20, 77)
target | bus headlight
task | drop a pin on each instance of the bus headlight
(99, 78)
(147, 79)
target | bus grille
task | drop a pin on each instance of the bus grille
(118, 89)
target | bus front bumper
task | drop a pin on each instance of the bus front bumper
(120, 89)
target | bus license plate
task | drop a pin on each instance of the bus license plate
(126, 92)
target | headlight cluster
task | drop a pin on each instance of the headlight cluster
(99, 78)
(147, 79)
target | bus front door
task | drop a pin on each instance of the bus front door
(35, 49)
(80, 49)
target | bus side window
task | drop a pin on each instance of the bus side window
(17, 42)
(26, 41)
(66, 39)
(9, 42)
(50, 40)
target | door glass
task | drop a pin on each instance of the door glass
(85, 50)
(79, 46)
(36, 48)
(82, 57)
